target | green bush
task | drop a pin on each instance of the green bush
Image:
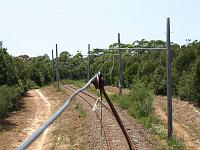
(142, 97)
(32, 85)
(186, 88)
(6, 100)
(139, 101)
(159, 83)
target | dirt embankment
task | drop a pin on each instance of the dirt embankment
(186, 118)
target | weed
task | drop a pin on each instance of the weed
(176, 143)
(159, 130)
(77, 83)
(82, 113)
(94, 91)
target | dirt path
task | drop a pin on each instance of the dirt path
(41, 115)
(34, 110)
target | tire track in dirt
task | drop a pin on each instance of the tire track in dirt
(42, 113)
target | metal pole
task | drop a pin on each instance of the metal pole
(88, 62)
(112, 77)
(120, 65)
(1, 43)
(169, 88)
(57, 73)
(53, 77)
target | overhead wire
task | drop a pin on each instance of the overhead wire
(111, 68)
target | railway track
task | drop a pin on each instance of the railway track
(112, 134)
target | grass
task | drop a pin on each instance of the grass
(80, 110)
(77, 83)
(94, 91)
(81, 83)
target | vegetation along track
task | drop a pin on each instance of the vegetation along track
(113, 136)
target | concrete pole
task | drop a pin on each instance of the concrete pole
(88, 78)
(112, 75)
(119, 65)
(169, 82)
(53, 76)
(57, 72)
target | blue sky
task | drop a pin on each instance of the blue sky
(33, 27)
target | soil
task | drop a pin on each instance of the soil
(114, 90)
(186, 120)
(20, 124)
(35, 108)
(67, 130)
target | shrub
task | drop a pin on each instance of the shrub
(186, 88)
(6, 96)
(159, 81)
(139, 101)
(32, 85)
(141, 96)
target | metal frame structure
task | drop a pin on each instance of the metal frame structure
(168, 70)
(119, 58)
(41, 129)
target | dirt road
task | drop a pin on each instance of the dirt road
(34, 110)
(42, 113)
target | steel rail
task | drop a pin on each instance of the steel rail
(114, 112)
(130, 144)
(41, 129)
(104, 129)
(91, 97)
